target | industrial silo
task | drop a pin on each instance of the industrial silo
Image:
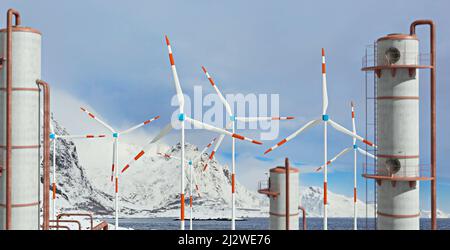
(20, 50)
(397, 170)
(282, 188)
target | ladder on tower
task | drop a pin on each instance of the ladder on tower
(370, 133)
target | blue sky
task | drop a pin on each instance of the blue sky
(112, 55)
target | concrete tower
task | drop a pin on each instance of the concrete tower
(397, 170)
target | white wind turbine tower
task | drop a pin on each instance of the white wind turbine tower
(116, 135)
(182, 118)
(192, 179)
(325, 119)
(146, 148)
(356, 150)
(233, 119)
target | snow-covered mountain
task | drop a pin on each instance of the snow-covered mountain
(74, 189)
(151, 187)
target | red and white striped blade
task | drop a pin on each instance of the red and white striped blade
(255, 119)
(98, 120)
(208, 146)
(88, 136)
(363, 152)
(346, 150)
(178, 89)
(204, 150)
(169, 156)
(353, 122)
(216, 147)
(197, 186)
(161, 134)
(140, 125)
(202, 125)
(324, 85)
(113, 167)
(348, 132)
(222, 99)
(290, 137)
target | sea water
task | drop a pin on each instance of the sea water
(257, 224)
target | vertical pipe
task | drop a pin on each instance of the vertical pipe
(287, 168)
(432, 111)
(304, 216)
(46, 160)
(10, 14)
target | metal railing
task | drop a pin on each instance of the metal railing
(263, 184)
(416, 170)
(372, 60)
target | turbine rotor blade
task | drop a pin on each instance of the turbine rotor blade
(255, 119)
(353, 122)
(178, 89)
(113, 161)
(222, 99)
(219, 130)
(161, 134)
(216, 147)
(290, 137)
(363, 152)
(346, 150)
(88, 136)
(140, 125)
(166, 130)
(168, 156)
(98, 120)
(324, 85)
(348, 132)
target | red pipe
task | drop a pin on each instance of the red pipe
(58, 227)
(79, 215)
(288, 212)
(432, 111)
(46, 158)
(102, 226)
(66, 221)
(1, 62)
(10, 14)
(304, 216)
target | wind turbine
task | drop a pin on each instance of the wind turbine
(54, 140)
(182, 118)
(163, 133)
(114, 172)
(356, 150)
(233, 119)
(192, 179)
(325, 119)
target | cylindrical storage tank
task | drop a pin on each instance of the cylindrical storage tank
(277, 185)
(24, 165)
(398, 131)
